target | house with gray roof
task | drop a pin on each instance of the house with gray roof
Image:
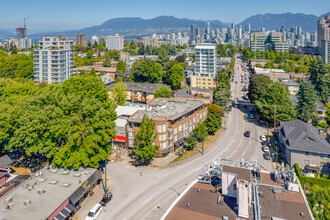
(302, 144)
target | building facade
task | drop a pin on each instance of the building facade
(275, 41)
(205, 69)
(81, 39)
(323, 38)
(114, 42)
(53, 60)
(174, 119)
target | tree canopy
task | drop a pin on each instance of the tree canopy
(16, 65)
(147, 71)
(258, 86)
(276, 95)
(72, 125)
(175, 76)
(145, 149)
(119, 93)
(163, 92)
(306, 107)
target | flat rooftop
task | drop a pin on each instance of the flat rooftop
(169, 109)
(203, 205)
(148, 88)
(43, 205)
(276, 202)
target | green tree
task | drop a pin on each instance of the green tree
(320, 78)
(215, 109)
(327, 113)
(119, 93)
(141, 49)
(147, 71)
(194, 58)
(102, 73)
(121, 66)
(175, 76)
(201, 131)
(145, 149)
(269, 65)
(213, 122)
(191, 142)
(163, 92)
(257, 87)
(92, 72)
(107, 61)
(163, 56)
(276, 95)
(89, 58)
(306, 107)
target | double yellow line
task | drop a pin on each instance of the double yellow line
(151, 210)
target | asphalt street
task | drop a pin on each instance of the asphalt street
(146, 193)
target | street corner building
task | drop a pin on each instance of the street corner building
(174, 118)
(52, 194)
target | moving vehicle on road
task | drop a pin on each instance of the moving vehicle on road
(94, 212)
(247, 133)
(263, 138)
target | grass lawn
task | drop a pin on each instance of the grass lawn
(208, 141)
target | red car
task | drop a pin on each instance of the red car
(236, 82)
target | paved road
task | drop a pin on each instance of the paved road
(146, 193)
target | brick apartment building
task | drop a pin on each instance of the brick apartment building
(174, 119)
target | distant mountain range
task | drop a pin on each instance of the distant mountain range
(288, 20)
(134, 26)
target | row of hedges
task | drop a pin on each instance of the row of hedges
(315, 181)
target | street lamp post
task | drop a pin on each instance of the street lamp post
(105, 177)
(203, 138)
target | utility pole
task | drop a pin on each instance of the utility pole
(203, 138)
(275, 128)
(105, 177)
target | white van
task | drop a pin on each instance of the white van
(94, 212)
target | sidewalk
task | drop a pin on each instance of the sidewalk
(90, 201)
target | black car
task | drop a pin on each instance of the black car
(230, 107)
(106, 198)
(267, 155)
(247, 134)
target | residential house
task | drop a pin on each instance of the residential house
(291, 84)
(302, 144)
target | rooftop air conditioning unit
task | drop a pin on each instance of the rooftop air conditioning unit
(9, 199)
(27, 202)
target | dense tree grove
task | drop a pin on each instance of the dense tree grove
(175, 76)
(147, 71)
(72, 125)
(163, 92)
(222, 92)
(257, 86)
(306, 107)
(276, 96)
(16, 66)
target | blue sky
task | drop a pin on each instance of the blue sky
(75, 14)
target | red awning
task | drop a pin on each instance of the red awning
(120, 139)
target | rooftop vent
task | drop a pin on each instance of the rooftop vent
(41, 191)
(25, 185)
(66, 184)
(31, 187)
(9, 206)
(65, 172)
(277, 191)
(77, 174)
(53, 170)
(41, 180)
(9, 199)
(27, 202)
(38, 173)
(53, 182)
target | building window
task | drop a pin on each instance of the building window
(180, 135)
(164, 128)
(194, 119)
(175, 130)
(159, 128)
(175, 138)
(190, 121)
(180, 128)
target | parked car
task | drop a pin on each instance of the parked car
(94, 212)
(265, 148)
(247, 133)
(106, 198)
(252, 116)
(267, 156)
(263, 138)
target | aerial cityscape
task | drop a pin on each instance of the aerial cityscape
(164, 110)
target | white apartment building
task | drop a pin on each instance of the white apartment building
(53, 61)
(205, 69)
(114, 42)
(323, 38)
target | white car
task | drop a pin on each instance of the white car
(265, 148)
(94, 212)
(263, 138)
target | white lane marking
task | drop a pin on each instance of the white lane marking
(197, 170)
(146, 200)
